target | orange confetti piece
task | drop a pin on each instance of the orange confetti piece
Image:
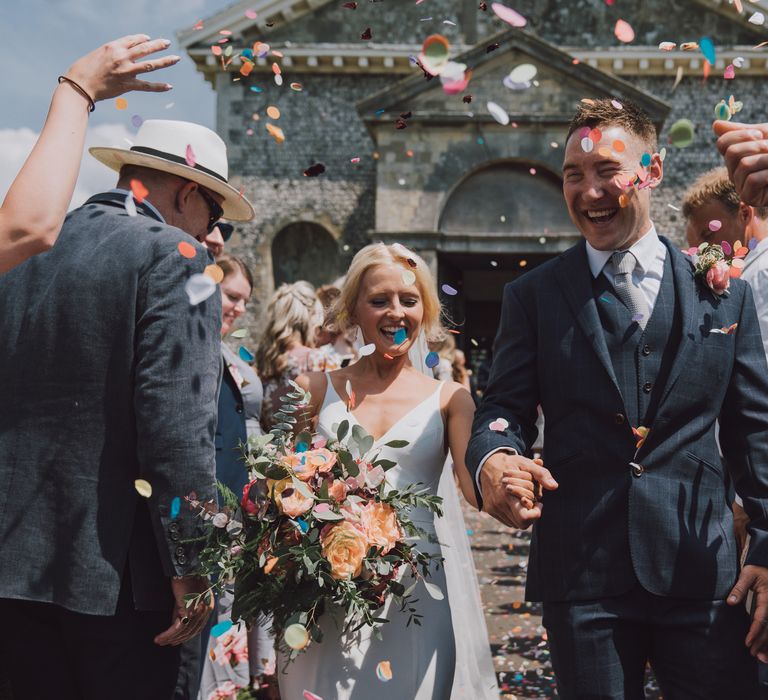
(187, 249)
(618, 146)
(139, 191)
(595, 135)
(623, 200)
(246, 68)
(215, 273)
(707, 69)
(121, 103)
(276, 133)
(735, 271)
(276, 69)
(198, 25)
(605, 152)
(273, 112)
(296, 86)
(623, 31)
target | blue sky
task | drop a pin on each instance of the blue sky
(42, 38)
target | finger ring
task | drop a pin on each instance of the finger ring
(185, 620)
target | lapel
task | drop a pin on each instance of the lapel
(687, 296)
(231, 362)
(575, 278)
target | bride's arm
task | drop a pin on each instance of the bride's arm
(459, 414)
(315, 384)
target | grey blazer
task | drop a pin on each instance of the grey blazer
(668, 524)
(107, 375)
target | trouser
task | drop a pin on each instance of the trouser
(55, 654)
(600, 648)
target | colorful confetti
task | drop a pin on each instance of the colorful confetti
(498, 113)
(187, 250)
(273, 112)
(175, 508)
(384, 671)
(401, 335)
(130, 205)
(121, 103)
(409, 277)
(450, 291)
(508, 15)
(222, 627)
(144, 488)
(198, 288)
(367, 350)
(296, 636)
(189, 156)
(499, 425)
(138, 190)
(432, 360)
(245, 354)
(681, 133)
(624, 32)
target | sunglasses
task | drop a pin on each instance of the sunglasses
(215, 211)
(226, 230)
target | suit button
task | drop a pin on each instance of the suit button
(179, 551)
(175, 537)
(646, 350)
(181, 559)
(173, 527)
(239, 409)
(619, 419)
(647, 387)
(637, 469)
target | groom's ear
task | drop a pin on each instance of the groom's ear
(656, 170)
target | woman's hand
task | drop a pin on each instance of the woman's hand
(112, 69)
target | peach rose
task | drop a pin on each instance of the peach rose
(322, 459)
(301, 465)
(337, 490)
(719, 277)
(381, 526)
(294, 504)
(344, 546)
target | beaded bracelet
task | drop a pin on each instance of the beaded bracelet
(91, 103)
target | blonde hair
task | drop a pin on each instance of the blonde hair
(291, 309)
(341, 314)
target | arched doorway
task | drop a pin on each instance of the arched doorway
(304, 250)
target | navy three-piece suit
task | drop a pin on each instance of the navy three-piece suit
(635, 550)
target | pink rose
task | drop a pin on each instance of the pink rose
(381, 526)
(294, 504)
(322, 459)
(719, 277)
(301, 465)
(344, 546)
(337, 491)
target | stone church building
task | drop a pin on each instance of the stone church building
(480, 201)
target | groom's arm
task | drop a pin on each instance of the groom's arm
(512, 392)
(744, 428)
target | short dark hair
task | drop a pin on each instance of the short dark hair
(715, 185)
(609, 112)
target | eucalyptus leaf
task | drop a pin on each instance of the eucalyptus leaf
(358, 433)
(301, 487)
(327, 515)
(342, 430)
(396, 443)
(365, 444)
(434, 590)
(385, 464)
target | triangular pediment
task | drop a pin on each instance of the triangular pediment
(560, 82)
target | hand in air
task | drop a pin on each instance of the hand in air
(754, 578)
(111, 70)
(512, 488)
(745, 150)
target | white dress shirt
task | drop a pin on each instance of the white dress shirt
(650, 253)
(755, 274)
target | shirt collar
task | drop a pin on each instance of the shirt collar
(145, 202)
(646, 249)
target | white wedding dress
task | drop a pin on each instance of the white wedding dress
(448, 656)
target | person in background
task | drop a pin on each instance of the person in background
(26, 228)
(338, 348)
(287, 346)
(218, 238)
(250, 655)
(446, 351)
(459, 370)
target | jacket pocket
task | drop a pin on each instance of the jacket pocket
(716, 470)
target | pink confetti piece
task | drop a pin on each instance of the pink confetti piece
(715, 225)
(251, 14)
(508, 15)
(730, 72)
(189, 156)
(354, 160)
(499, 425)
(308, 695)
(623, 31)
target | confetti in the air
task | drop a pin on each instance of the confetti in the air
(121, 103)
(624, 32)
(245, 354)
(198, 288)
(508, 15)
(221, 628)
(450, 291)
(187, 249)
(498, 113)
(401, 335)
(130, 205)
(189, 156)
(367, 350)
(499, 425)
(384, 671)
(408, 277)
(432, 360)
(144, 488)
(175, 507)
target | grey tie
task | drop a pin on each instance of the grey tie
(624, 263)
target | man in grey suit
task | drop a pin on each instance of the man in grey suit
(633, 360)
(110, 373)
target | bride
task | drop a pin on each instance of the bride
(389, 294)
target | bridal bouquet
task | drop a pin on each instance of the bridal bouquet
(316, 526)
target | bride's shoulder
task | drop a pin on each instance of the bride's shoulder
(454, 396)
(314, 383)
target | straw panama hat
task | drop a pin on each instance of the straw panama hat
(163, 144)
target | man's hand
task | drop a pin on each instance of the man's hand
(187, 622)
(745, 150)
(510, 488)
(740, 522)
(756, 579)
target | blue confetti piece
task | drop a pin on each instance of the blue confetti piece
(480, 140)
(248, 53)
(606, 299)
(752, 244)
(175, 508)
(645, 160)
(303, 525)
(254, 88)
(401, 335)
(638, 317)
(707, 47)
(245, 354)
(137, 120)
(432, 360)
(221, 628)
(379, 112)
(301, 447)
(450, 291)
(470, 533)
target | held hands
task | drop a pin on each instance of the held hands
(111, 70)
(745, 150)
(756, 579)
(196, 617)
(511, 487)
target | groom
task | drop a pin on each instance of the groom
(634, 554)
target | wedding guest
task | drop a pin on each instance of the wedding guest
(218, 238)
(287, 346)
(117, 420)
(338, 348)
(459, 370)
(26, 228)
(247, 654)
(446, 352)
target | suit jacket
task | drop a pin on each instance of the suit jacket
(108, 375)
(238, 417)
(659, 514)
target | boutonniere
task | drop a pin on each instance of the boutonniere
(714, 265)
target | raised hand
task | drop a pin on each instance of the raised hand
(111, 70)
(745, 150)
(187, 622)
(754, 578)
(511, 486)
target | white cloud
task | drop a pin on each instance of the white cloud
(16, 144)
